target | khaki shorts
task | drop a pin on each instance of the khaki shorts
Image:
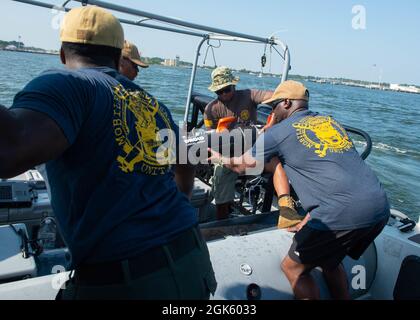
(223, 184)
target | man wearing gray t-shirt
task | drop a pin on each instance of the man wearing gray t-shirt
(346, 204)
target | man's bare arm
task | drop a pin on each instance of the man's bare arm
(184, 170)
(237, 164)
(27, 138)
(184, 178)
(259, 96)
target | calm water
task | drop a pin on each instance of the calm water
(392, 119)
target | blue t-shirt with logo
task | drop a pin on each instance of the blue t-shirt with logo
(332, 181)
(113, 191)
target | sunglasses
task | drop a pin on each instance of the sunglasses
(275, 103)
(224, 90)
(133, 65)
(136, 67)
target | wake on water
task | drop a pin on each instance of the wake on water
(385, 147)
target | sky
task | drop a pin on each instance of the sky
(321, 34)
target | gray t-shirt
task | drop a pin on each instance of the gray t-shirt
(330, 178)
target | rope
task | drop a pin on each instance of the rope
(212, 47)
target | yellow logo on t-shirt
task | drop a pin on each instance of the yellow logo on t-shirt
(324, 134)
(245, 115)
(208, 123)
(137, 134)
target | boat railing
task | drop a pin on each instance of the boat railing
(169, 24)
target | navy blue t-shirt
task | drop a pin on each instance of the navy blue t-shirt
(332, 181)
(112, 192)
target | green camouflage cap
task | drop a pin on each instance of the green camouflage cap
(221, 78)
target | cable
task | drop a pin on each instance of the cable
(211, 46)
(282, 56)
(65, 3)
(24, 245)
(253, 186)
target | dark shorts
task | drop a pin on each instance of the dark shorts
(327, 249)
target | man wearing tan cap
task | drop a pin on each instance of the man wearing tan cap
(347, 206)
(131, 61)
(131, 232)
(240, 105)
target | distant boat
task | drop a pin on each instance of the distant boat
(260, 75)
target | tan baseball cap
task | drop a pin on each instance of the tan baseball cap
(131, 52)
(92, 25)
(290, 89)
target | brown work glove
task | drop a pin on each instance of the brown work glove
(288, 214)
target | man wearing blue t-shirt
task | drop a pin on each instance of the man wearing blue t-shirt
(347, 206)
(122, 211)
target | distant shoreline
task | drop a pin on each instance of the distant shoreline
(348, 83)
(397, 88)
(31, 51)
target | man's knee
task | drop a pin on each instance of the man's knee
(290, 267)
(284, 266)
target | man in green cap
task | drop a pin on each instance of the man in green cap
(128, 224)
(241, 105)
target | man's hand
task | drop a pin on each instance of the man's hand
(216, 158)
(299, 226)
(237, 164)
(271, 121)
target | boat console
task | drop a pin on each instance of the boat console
(24, 199)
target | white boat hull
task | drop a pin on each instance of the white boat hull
(255, 258)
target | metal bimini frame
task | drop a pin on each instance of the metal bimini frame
(206, 33)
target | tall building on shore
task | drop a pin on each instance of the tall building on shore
(171, 62)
